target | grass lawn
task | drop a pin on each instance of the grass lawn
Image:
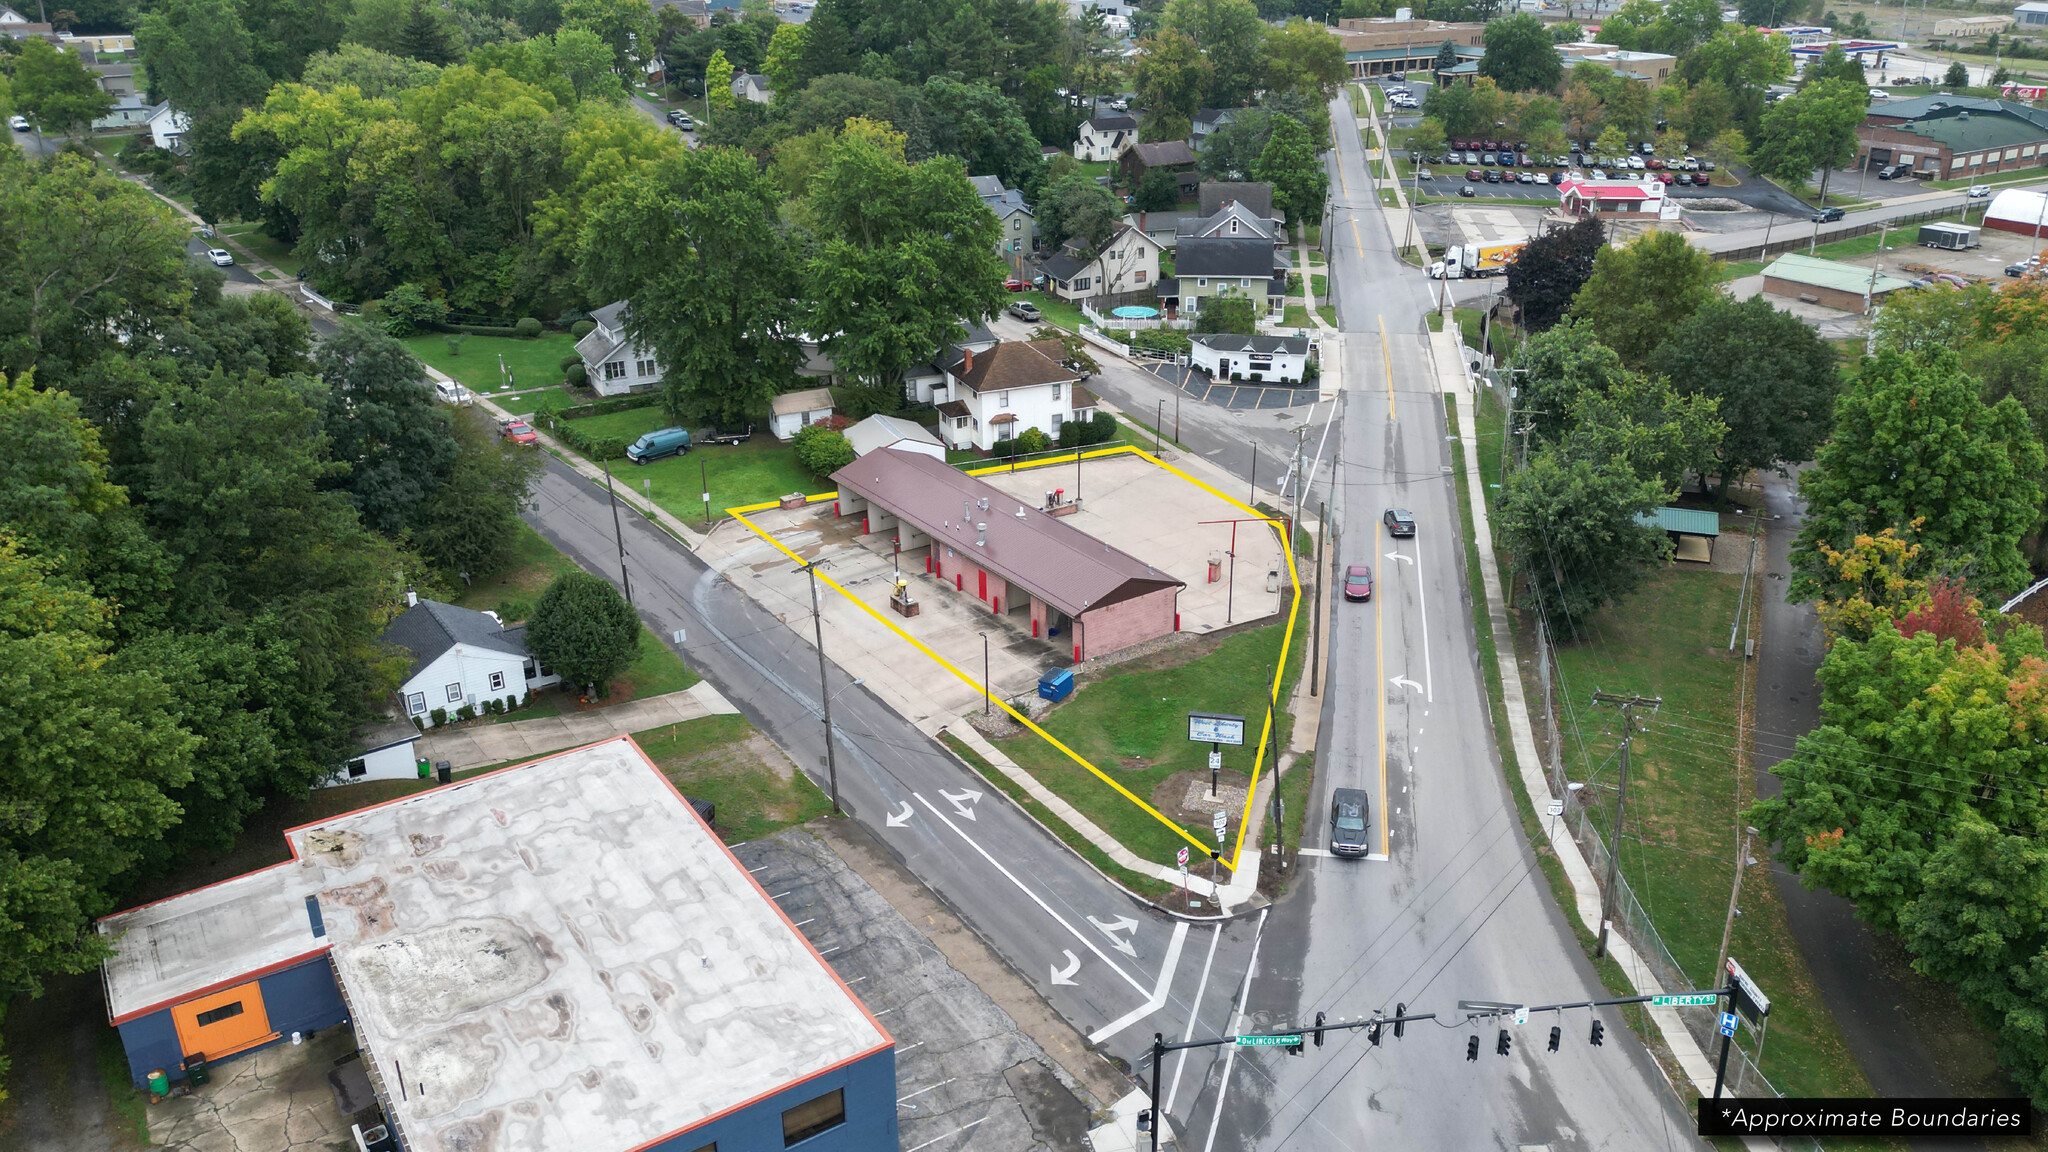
(724, 760)
(1064, 313)
(251, 239)
(762, 468)
(1297, 316)
(1131, 723)
(1670, 640)
(511, 592)
(1328, 313)
(658, 670)
(531, 362)
(1319, 284)
(2024, 176)
(1737, 269)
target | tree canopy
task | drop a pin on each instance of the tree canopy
(1520, 55)
(1773, 375)
(1637, 292)
(583, 629)
(1551, 269)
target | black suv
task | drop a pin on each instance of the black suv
(1827, 215)
(1350, 809)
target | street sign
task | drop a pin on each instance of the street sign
(1522, 1015)
(1728, 1022)
(1268, 1041)
(1182, 857)
(1215, 728)
(1687, 1000)
(1556, 807)
(1749, 999)
(1215, 761)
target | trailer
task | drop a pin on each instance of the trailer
(1949, 236)
(1488, 259)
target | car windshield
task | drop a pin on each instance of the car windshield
(1348, 820)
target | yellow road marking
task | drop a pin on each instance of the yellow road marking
(1388, 354)
(1272, 691)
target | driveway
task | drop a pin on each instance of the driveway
(481, 744)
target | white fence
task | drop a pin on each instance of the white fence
(313, 297)
(1129, 324)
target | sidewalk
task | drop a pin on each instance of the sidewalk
(1450, 361)
(482, 744)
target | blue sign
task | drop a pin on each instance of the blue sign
(1728, 1022)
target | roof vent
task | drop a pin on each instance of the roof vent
(1964, 115)
(1020, 512)
(982, 503)
(981, 535)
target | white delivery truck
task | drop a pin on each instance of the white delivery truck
(1486, 259)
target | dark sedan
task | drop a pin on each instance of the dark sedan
(1399, 522)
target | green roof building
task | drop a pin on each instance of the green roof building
(1829, 283)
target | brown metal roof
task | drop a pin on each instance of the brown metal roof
(1050, 558)
(1013, 364)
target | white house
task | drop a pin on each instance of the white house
(615, 364)
(1104, 136)
(794, 411)
(167, 126)
(1265, 358)
(384, 751)
(878, 432)
(128, 112)
(997, 392)
(1128, 263)
(749, 86)
(460, 656)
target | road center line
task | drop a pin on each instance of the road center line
(1035, 897)
(1158, 998)
(1194, 1016)
(1236, 1016)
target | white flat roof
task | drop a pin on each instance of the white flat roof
(562, 955)
(208, 937)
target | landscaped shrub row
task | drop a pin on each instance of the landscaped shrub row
(1073, 434)
(595, 447)
(1162, 340)
(486, 707)
(608, 405)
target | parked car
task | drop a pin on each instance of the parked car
(18, 123)
(1599, 173)
(1120, 104)
(1399, 522)
(1889, 172)
(1979, 191)
(1015, 285)
(520, 432)
(1474, 174)
(1349, 810)
(1457, 145)
(1543, 177)
(1664, 177)
(1468, 191)
(1827, 215)
(1358, 582)
(449, 392)
(1525, 177)
(221, 257)
(1706, 165)
(1471, 157)
(2021, 269)
(1424, 174)
(659, 443)
(1023, 310)
(1493, 176)
(1654, 164)
(1489, 158)
(1879, 94)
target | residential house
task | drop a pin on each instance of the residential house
(751, 86)
(384, 750)
(612, 362)
(1206, 267)
(18, 27)
(1253, 357)
(1207, 123)
(878, 432)
(108, 42)
(1007, 388)
(926, 383)
(167, 126)
(1230, 217)
(794, 411)
(1172, 155)
(459, 657)
(117, 78)
(1129, 263)
(1013, 216)
(127, 112)
(1103, 137)
(696, 12)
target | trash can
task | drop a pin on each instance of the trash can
(1056, 685)
(426, 768)
(159, 1084)
(445, 771)
(195, 1070)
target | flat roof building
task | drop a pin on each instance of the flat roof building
(1829, 283)
(557, 955)
(1955, 137)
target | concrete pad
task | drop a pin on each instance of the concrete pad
(483, 744)
(274, 1098)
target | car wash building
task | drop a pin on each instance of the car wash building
(555, 955)
(1013, 559)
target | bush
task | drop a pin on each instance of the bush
(1228, 314)
(1033, 440)
(493, 706)
(584, 629)
(1082, 433)
(582, 328)
(407, 308)
(482, 329)
(568, 362)
(440, 716)
(1162, 340)
(1003, 449)
(465, 713)
(527, 327)
(821, 450)
(594, 447)
(576, 374)
(511, 704)
(604, 407)
(419, 724)
(455, 341)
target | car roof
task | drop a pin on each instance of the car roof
(1349, 796)
(1358, 570)
(1402, 514)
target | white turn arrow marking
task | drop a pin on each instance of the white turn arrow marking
(1399, 556)
(899, 819)
(1066, 975)
(962, 802)
(1120, 924)
(1404, 682)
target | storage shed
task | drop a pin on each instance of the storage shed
(1948, 235)
(1692, 531)
(794, 411)
(1829, 283)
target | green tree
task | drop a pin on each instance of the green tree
(1233, 38)
(1452, 105)
(1230, 314)
(1552, 268)
(784, 64)
(1835, 64)
(201, 56)
(1301, 185)
(1774, 377)
(1814, 127)
(1446, 58)
(1075, 206)
(1957, 76)
(1302, 57)
(1570, 523)
(1520, 56)
(1646, 424)
(426, 34)
(1638, 292)
(981, 126)
(1157, 192)
(584, 630)
(1913, 442)
(718, 81)
(626, 26)
(56, 90)
(375, 74)
(1172, 75)
(1612, 142)
(694, 246)
(1232, 151)
(383, 423)
(1554, 367)
(821, 450)
(904, 252)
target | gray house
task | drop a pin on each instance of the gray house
(1013, 215)
(614, 364)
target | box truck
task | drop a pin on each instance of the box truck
(1486, 259)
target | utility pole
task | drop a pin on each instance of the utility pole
(618, 536)
(1628, 706)
(1315, 626)
(824, 694)
(1742, 843)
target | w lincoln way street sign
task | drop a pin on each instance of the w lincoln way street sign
(1215, 728)
(1269, 1041)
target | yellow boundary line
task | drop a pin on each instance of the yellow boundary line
(1272, 692)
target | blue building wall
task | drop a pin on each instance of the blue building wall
(870, 1087)
(302, 998)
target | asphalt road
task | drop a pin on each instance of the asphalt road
(196, 247)
(1459, 909)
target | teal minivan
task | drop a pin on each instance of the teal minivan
(660, 443)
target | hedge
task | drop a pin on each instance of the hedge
(595, 447)
(609, 405)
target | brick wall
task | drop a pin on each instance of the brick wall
(1128, 622)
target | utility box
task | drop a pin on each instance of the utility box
(1056, 684)
(1949, 236)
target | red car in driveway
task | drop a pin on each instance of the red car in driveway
(1015, 285)
(1358, 582)
(520, 432)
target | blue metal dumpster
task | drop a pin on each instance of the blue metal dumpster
(1056, 685)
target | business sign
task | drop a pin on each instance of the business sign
(1215, 728)
(2023, 92)
(1749, 999)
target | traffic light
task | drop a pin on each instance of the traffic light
(1372, 1032)
(1556, 1034)
(1400, 1026)
(1319, 1029)
(1504, 1044)
(1294, 1049)
(1472, 1048)
(1599, 1030)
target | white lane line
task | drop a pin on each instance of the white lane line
(1422, 607)
(1194, 1017)
(1086, 941)
(954, 1132)
(1236, 1015)
(901, 1051)
(922, 1091)
(1158, 998)
(762, 868)
(780, 895)
(804, 921)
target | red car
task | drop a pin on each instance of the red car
(1664, 177)
(1015, 285)
(1358, 582)
(520, 432)
(1474, 174)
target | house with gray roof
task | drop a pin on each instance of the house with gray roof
(1244, 264)
(459, 657)
(1102, 137)
(613, 362)
(1227, 356)
(1207, 123)
(1018, 224)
